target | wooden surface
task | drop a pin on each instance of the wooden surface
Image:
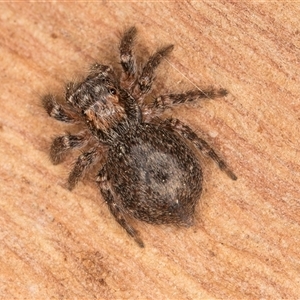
(245, 243)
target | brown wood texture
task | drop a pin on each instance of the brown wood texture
(246, 239)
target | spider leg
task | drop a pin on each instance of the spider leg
(201, 144)
(64, 143)
(56, 110)
(127, 58)
(145, 80)
(163, 102)
(132, 108)
(84, 162)
(114, 206)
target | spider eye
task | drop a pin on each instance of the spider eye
(112, 91)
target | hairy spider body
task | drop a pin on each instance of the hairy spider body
(151, 172)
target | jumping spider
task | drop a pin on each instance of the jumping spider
(150, 171)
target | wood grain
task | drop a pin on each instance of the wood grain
(245, 243)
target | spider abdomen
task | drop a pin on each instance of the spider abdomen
(155, 175)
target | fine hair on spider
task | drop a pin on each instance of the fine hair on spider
(151, 171)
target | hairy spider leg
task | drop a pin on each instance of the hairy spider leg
(163, 102)
(57, 111)
(145, 80)
(114, 206)
(186, 132)
(62, 144)
(127, 59)
(84, 162)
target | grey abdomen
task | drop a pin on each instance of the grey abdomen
(156, 175)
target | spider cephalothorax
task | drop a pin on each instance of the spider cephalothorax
(150, 172)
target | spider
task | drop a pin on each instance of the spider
(150, 171)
